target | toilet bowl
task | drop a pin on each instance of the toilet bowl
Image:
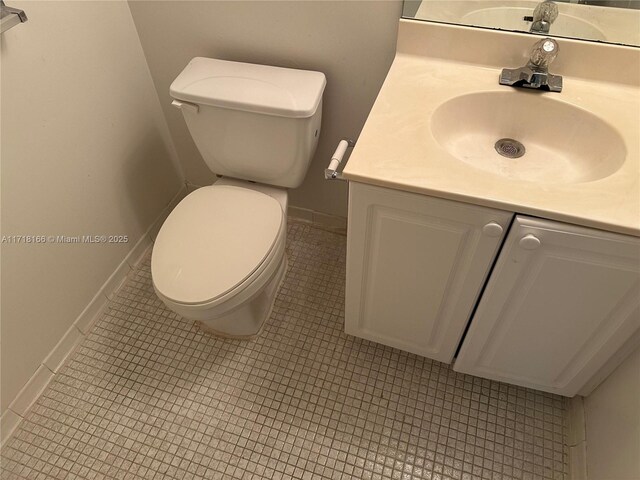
(220, 256)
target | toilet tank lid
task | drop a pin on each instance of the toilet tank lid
(284, 92)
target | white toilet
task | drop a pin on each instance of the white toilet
(220, 255)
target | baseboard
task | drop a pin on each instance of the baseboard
(63, 349)
(578, 462)
(8, 424)
(81, 327)
(577, 439)
(140, 248)
(333, 223)
(117, 278)
(94, 310)
(31, 391)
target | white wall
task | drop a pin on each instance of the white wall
(612, 415)
(85, 150)
(352, 42)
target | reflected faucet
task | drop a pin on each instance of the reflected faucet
(535, 74)
(544, 15)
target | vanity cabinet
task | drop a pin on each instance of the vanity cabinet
(415, 267)
(560, 302)
(559, 309)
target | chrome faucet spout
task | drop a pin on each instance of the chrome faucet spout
(544, 15)
(535, 74)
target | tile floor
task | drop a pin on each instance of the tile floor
(147, 395)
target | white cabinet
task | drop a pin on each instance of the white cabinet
(561, 301)
(558, 313)
(415, 267)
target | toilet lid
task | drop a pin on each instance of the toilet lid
(212, 241)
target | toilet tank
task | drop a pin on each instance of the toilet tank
(253, 122)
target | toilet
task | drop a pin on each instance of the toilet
(219, 258)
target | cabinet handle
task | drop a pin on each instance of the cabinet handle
(529, 242)
(492, 229)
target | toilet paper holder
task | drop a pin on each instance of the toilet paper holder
(331, 172)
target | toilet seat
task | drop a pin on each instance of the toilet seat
(221, 241)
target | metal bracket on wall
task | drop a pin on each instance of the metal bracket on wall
(10, 16)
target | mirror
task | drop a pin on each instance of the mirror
(611, 21)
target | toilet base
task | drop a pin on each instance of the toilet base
(258, 310)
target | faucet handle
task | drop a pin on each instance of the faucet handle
(546, 11)
(543, 53)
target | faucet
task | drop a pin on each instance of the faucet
(544, 15)
(535, 74)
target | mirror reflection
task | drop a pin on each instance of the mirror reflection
(612, 21)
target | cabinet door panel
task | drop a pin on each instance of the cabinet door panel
(554, 311)
(415, 266)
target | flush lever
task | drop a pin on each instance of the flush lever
(185, 105)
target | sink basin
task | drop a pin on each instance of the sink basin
(512, 18)
(562, 143)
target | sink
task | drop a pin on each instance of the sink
(512, 18)
(562, 143)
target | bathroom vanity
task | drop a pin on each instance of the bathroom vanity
(549, 302)
(522, 270)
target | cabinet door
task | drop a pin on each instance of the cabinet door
(560, 302)
(415, 266)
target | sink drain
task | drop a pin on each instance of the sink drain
(510, 148)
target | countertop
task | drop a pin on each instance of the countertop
(397, 148)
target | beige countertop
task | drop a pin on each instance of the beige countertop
(397, 147)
